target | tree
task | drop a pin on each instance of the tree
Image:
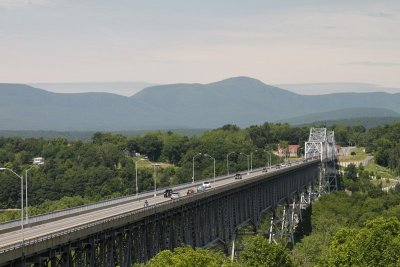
(260, 253)
(351, 172)
(188, 257)
(376, 244)
(151, 145)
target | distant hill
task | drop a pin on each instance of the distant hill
(120, 88)
(343, 114)
(242, 101)
(87, 135)
(367, 122)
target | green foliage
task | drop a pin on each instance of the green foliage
(188, 257)
(9, 215)
(260, 253)
(102, 168)
(376, 244)
(351, 172)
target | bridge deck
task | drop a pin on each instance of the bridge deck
(11, 241)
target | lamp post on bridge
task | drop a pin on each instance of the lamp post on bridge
(136, 183)
(269, 161)
(136, 173)
(198, 154)
(36, 162)
(251, 160)
(227, 161)
(214, 163)
(155, 165)
(22, 204)
(248, 164)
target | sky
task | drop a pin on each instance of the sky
(186, 41)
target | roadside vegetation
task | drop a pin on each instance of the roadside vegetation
(340, 224)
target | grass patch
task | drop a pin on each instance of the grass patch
(379, 170)
(359, 154)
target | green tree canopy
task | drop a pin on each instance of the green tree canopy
(260, 253)
(376, 244)
(189, 257)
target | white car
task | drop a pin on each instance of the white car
(175, 195)
(207, 185)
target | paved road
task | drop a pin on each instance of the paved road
(15, 237)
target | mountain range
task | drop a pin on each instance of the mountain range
(241, 100)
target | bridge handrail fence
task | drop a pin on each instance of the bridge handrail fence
(110, 218)
(84, 226)
(87, 207)
(70, 211)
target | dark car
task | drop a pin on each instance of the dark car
(264, 169)
(238, 176)
(167, 192)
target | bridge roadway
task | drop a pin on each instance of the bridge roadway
(12, 239)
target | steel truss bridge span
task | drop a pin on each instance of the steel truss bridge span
(137, 235)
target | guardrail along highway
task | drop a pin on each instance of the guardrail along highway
(123, 231)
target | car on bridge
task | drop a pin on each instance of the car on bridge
(200, 189)
(190, 192)
(238, 176)
(175, 195)
(167, 192)
(207, 185)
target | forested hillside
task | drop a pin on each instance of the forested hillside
(339, 224)
(104, 167)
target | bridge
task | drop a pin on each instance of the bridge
(123, 231)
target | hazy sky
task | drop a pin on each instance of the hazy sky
(278, 42)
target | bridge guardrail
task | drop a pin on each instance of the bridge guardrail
(86, 225)
(113, 217)
(93, 206)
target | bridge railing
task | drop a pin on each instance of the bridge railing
(113, 217)
(105, 203)
(87, 225)
(94, 206)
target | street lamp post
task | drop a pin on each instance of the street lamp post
(251, 159)
(35, 163)
(269, 158)
(227, 162)
(248, 164)
(193, 166)
(136, 183)
(22, 203)
(214, 163)
(136, 174)
(26, 194)
(155, 177)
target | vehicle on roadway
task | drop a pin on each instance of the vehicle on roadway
(207, 185)
(175, 195)
(238, 176)
(167, 192)
(264, 169)
(190, 192)
(200, 189)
